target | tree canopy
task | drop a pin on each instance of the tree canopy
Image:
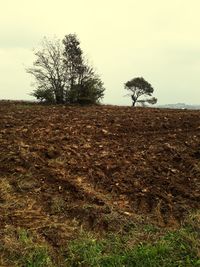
(62, 75)
(140, 87)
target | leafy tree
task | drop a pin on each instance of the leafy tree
(150, 101)
(139, 87)
(85, 86)
(89, 89)
(73, 58)
(44, 95)
(63, 76)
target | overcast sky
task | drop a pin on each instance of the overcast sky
(123, 39)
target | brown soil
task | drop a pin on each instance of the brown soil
(101, 167)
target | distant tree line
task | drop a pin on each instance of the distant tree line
(63, 76)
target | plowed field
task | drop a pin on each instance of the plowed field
(99, 167)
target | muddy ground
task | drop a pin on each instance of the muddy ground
(100, 167)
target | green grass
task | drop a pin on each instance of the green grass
(22, 250)
(141, 246)
(34, 255)
(175, 248)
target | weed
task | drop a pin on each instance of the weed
(37, 257)
(150, 228)
(23, 236)
(58, 205)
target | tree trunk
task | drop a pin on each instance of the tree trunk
(134, 99)
(133, 103)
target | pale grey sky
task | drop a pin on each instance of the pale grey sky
(123, 39)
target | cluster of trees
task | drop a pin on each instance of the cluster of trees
(63, 76)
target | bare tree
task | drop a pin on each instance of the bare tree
(50, 72)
